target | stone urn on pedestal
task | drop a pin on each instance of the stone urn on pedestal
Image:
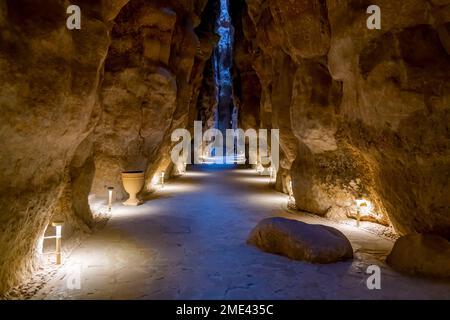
(133, 181)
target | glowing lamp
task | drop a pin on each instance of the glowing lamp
(259, 168)
(110, 194)
(58, 227)
(162, 179)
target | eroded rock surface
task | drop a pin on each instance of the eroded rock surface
(359, 111)
(49, 87)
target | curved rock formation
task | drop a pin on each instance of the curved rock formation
(422, 255)
(50, 82)
(360, 111)
(70, 123)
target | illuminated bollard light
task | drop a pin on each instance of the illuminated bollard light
(58, 226)
(362, 207)
(291, 201)
(110, 195)
(162, 179)
(259, 169)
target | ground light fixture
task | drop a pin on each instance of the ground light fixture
(272, 173)
(362, 207)
(110, 194)
(162, 179)
(291, 200)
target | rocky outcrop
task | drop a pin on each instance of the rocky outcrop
(49, 88)
(360, 111)
(422, 255)
(264, 80)
(301, 241)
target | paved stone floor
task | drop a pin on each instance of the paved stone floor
(189, 242)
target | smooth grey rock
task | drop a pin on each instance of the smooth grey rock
(301, 241)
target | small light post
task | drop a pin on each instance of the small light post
(58, 226)
(291, 200)
(110, 194)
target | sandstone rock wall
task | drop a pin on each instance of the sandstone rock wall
(360, 111)
(69, 124)
(49, 85)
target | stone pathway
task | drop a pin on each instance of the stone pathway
(188, 242)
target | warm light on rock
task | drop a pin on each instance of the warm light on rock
(58, 234)
(133, 181)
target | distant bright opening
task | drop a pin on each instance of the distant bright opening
(226, 116)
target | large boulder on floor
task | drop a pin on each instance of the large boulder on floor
(301, 241)
(421, 254)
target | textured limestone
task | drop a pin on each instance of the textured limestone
(138, 105)
(301, 241)
(395, 100)
(138, 94)
(71, 123)
(421, 254)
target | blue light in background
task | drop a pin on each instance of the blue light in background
(224, 30)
